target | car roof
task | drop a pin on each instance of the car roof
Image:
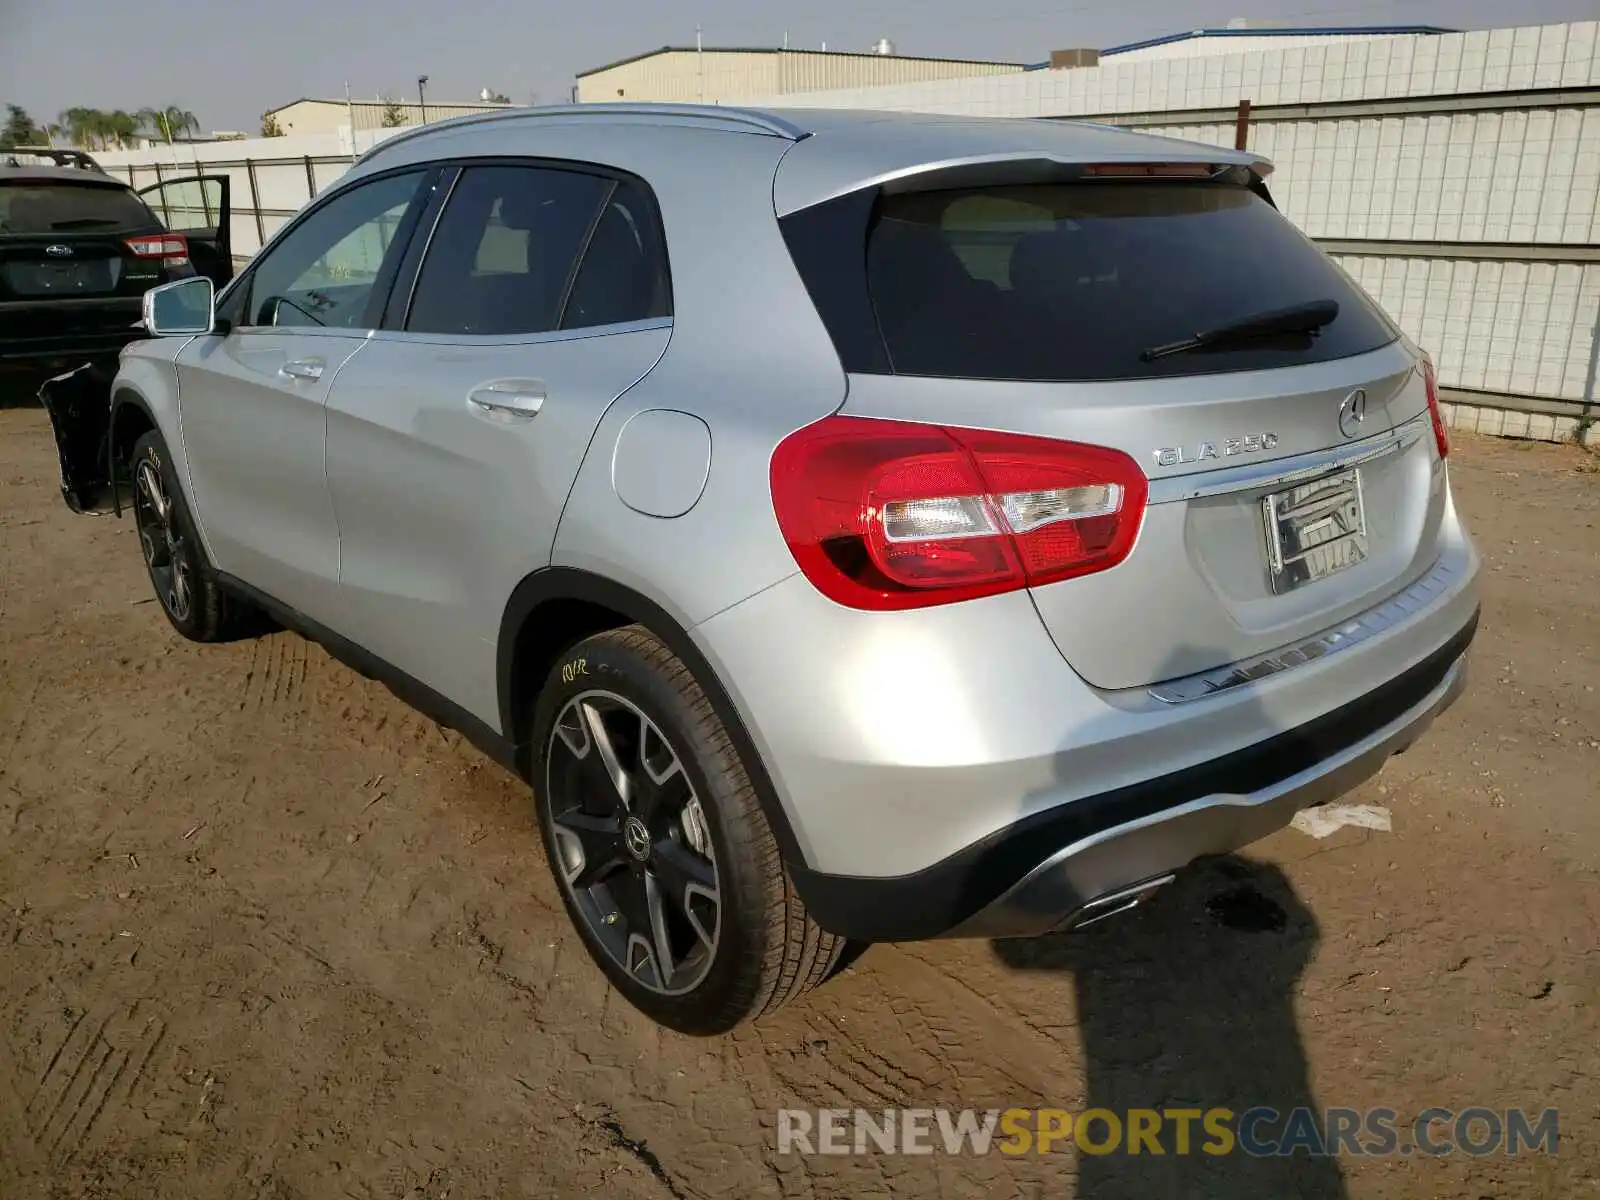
(838, 150)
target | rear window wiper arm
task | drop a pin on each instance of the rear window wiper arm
(1298, 318)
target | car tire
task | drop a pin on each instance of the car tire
(185, 584)
(698, 809)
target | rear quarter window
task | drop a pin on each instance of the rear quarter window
(35, 208)
(1072, 281)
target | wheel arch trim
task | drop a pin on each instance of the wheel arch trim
(124, 394)
(567, 584)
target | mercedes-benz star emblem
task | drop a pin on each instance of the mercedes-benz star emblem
(1352, 412)
(636, 837)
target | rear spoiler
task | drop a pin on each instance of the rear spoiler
(805, 182)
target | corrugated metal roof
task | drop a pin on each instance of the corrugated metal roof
(622, 62)
(1297, 31)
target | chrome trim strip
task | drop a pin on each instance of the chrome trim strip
(1285, 471)
(1333, 641)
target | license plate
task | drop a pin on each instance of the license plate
(63, 275)
(1314, 530)
(43, 279)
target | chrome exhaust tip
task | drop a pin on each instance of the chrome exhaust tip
(1117, 902)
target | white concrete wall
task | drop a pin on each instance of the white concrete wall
(281, 186)
(330, 116)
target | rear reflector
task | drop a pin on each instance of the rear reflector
(171, 246)
(1441, 436)
(893, 514)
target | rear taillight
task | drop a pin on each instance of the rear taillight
(891, 514)
(1441, 435)
(173, 247)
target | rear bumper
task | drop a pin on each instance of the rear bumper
(66, 350)
(1098, 854)
(67, 331)
(944, 773)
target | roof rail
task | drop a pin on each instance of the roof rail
(716, 116)
(11, 156)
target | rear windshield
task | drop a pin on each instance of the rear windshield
(65, 207)
(1073, 281)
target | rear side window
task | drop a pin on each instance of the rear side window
(1073, 281)
(523, 250)
(71, 207)
(624, 271)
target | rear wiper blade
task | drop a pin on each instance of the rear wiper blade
(1298, 318)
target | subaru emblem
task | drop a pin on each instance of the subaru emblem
(57, 250)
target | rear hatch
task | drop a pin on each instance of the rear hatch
(68, 240)
(1068, 309)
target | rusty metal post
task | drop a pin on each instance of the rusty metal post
(1241, 127)
(166, 215)
(255, 203)
(311, 180)
(1586, 419)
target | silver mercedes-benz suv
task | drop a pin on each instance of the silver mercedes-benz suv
(853, 525)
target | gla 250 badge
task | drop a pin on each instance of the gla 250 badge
(1250, 443)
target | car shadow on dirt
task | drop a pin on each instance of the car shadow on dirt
(1187, 1002)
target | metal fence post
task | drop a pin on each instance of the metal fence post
(166, 216)
(1586, 418)
(1241, 126)
(255, 202)
(311, 180)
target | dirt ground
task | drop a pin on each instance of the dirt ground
(266, 934)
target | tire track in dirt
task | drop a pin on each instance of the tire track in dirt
(89, 1075)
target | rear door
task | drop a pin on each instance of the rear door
(1054, 309)
(198, 206)
(455, 436)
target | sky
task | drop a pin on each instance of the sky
(227, 61)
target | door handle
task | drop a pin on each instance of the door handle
(302, 368)
(509, 399)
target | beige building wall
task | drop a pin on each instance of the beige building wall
(330, 116)
(687, 76)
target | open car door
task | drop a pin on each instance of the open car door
(197, 207)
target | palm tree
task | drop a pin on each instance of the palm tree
(121, 127)
(168, 123)
(153, 120)
(81, 126)
(182, 122)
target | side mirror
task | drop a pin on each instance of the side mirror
(185, 307)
